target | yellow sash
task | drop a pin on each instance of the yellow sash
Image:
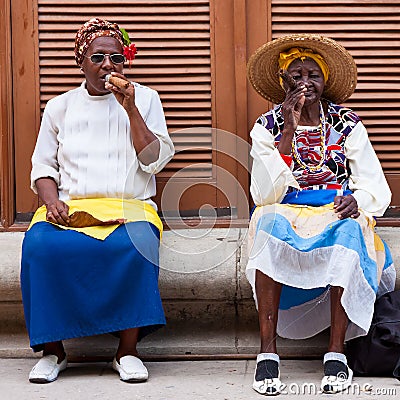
(106, 209)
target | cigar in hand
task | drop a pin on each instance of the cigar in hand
(287, 78)
(118, 82)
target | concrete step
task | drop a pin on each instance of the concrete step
(174, 342)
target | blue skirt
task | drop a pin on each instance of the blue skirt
(74, 285)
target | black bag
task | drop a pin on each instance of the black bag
(378, 353)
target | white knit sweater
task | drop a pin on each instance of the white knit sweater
(85, 145)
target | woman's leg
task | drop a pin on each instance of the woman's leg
(126, 362)
(337, 375)
(127, 343)
(339, 321)
(56, 349)
(50, 365)
(266, 376)
(268, 294)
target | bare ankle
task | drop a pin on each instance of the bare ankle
(56, 349)
(121, 353)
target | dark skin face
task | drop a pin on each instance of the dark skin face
(95, 73)
(301, 104)
(309, 74)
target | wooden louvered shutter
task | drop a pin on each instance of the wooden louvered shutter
(370, 30)
(173, 38)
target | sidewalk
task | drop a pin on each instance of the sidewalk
(214, 363)
(180, 380)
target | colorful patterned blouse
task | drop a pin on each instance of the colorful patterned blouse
(334, 173)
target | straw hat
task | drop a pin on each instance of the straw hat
(262, 68)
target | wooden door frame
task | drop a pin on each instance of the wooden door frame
(26, 112)
(20, 108)
(236, 103)
(230, 92)
(7, 210)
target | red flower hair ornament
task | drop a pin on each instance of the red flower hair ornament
(130, 49)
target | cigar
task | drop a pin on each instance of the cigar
(118, 82)
(287, 78)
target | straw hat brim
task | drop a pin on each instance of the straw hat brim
(263, 67)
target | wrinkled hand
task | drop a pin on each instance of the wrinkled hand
(293, 105)
(57, 212)
(124, 96)
(346, 206)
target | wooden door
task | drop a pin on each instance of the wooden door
(193, 52)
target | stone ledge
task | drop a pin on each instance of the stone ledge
(202, 274)
(190, 260)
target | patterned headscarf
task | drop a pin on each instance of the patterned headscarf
(91, 30)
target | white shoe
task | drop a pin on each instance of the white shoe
(267, 375)
(336, 382)
(47, 369)
(131, 369)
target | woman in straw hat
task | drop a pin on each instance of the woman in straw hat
(315, 260)
(90, 256)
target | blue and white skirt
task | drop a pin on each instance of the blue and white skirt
(304, 246)
(74, 285)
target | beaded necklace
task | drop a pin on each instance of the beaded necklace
(296, 154)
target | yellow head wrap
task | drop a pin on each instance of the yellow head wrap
(286, 58)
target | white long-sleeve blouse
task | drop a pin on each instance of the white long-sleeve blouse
(85, 145)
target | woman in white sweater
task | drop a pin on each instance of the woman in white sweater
(90, 256)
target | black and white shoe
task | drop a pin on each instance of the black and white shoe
(266, 376)
(338, 376)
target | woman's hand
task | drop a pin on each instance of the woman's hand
(346, 206)
(293, 105)
(124, 96)
(146, 144)
(57, 212)
(291, 111)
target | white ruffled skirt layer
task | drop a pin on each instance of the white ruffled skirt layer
(308, 250)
